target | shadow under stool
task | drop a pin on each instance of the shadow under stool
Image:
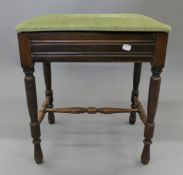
(92, 38)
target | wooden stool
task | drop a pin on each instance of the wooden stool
(92, 38)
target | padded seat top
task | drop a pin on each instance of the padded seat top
(93, 22)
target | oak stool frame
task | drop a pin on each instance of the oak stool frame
(47, 47)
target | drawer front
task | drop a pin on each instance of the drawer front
(67, 47)
(88, 48)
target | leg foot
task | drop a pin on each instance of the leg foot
(38, 154)
(145, 157)
(51, 118)
(35, 132)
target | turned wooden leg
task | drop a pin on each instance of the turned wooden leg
(30, 88)
(135, 91)
(154, 89)
(49, 92)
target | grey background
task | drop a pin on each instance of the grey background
(93, 144)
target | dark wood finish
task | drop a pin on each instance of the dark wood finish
(151, 111)
(160, 51)
(86, 47)
(30, 88)
(47, 47)
(95, 46)
(154, 88)
(91, 110)
(91, 58)
(85, 35)
(91, 46)
(48, 92)
(135, 91)
(25, 50)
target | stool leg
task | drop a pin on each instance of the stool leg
(30, 88)
(48, 92)
(135, 91)
(154, 89)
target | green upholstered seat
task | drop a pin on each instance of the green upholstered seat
(92, 22)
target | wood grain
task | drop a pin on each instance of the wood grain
(90, 110)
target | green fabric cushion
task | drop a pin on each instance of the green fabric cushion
(92, 22)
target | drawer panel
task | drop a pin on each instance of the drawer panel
(96, 46)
